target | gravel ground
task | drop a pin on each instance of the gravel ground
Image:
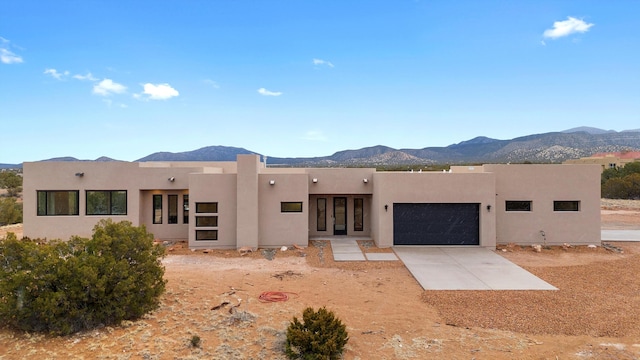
(598, 299)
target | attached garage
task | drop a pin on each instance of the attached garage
(436, 224)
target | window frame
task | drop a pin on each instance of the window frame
(358, 204)
(557, 208)
(210, 217)
(213, 232)
(110, 205)
(516, 208)
(172, 209)
(185, 208)
(200, 207)
(285, 207)
(74, 212)
(321, 221)
(157, 215)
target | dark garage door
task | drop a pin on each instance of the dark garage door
(436, 224)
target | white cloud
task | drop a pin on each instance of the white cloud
(314, 135)
(55, 74)
(265, 92)
(158, 91)
(7, 56)
(322, 62)
(211, 83)
(88, 77)
(107, 87)
(567, 27)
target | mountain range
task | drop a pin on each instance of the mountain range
(552, 147)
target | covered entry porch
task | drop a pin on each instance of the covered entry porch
(340, 216)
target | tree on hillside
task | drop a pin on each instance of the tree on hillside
(12, 182)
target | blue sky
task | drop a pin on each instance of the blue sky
(296, 78)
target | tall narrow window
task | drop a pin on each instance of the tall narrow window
(173, 209)
(157, 209)
(358, 218)
(322, 214)
(185, 209)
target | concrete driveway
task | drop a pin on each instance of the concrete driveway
(620, 235)
(466, 268)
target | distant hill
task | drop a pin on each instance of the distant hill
(209, 153)
(552, 147)
(10, 166)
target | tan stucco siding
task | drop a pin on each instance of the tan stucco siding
(542, 185)
(283, 228)
(341, 181)
(394, 187)
(221, 189)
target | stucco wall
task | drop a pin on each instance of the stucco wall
(431, 187)
(127, 176)
(220, 188)
(283, 228)
(542, 184)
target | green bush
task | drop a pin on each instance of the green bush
(10, 211)
(320, 336)
(65, 287)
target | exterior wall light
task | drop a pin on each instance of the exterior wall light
(315, 180)
(172, 179)
(79, 174)
(386, 207)
(272, 182)
(488, 208)
(365, 180)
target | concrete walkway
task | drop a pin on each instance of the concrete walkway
(466, 268)
(620, 235)
(348, 250)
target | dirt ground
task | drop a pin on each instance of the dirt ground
(595, 314)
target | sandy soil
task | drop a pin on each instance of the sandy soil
(594, 315)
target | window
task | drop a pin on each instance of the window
(291, 206)
(566, 205)
(202, 235)
(157, 209)
(173, 209)
(185, 209)
(358, 209)
(322, 214)
(206, 221)
(208, 207)
(106, 202)
(58, 203)
(520, 205)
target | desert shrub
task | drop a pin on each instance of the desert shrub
(65, 287)
(10, 211)
(195, 341)
(627, 187)
(320, 335)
